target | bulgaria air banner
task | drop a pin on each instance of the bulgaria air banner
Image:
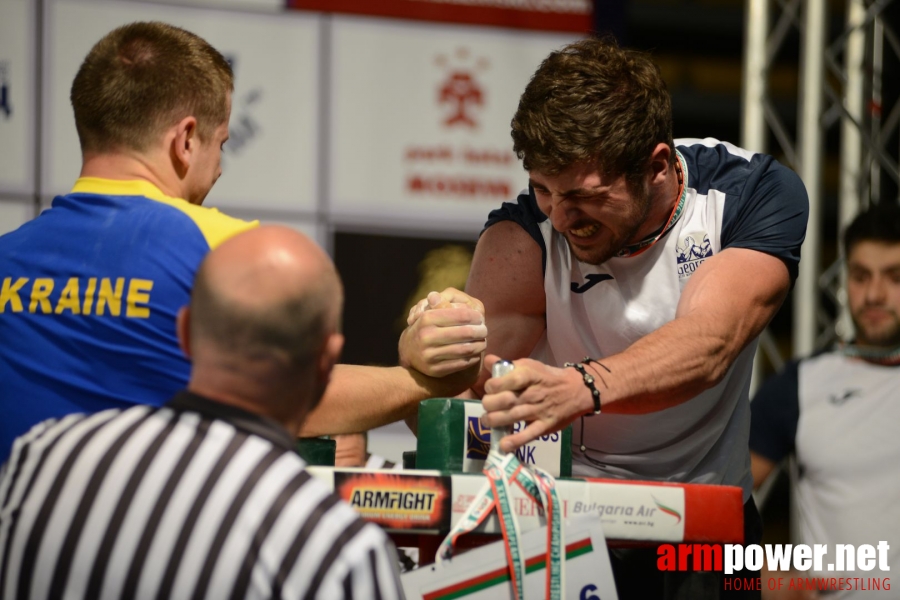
(543, 15)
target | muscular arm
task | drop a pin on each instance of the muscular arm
(507, 276)
(727, 302)
(360, 398)
(446, 340)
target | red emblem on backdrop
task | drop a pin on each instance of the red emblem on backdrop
(460, 90)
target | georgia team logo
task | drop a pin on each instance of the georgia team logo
(478, 439)
(691, 252)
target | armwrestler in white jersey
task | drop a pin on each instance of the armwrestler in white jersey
(660, 261)
(836, 412)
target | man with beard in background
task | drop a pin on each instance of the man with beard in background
(837, 412)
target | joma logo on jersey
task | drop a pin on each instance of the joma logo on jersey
(591, 279)
(839, 400)
(691, 253)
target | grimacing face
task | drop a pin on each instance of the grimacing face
(873, 292)
(597, 215)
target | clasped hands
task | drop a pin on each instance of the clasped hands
(446, 334)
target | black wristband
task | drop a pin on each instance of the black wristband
(588, 382)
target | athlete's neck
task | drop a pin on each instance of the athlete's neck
(123, 166)
(663, 200)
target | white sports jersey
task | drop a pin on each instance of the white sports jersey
(839, 416)
(733, 199)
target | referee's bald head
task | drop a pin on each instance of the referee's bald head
(264, 318)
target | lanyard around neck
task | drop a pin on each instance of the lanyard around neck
(889, 357)
(647, 243)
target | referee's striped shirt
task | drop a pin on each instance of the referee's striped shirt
(192, 500)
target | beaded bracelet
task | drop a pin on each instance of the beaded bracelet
(589, 382)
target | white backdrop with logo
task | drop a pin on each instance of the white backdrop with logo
(270, 162)
(420, 119)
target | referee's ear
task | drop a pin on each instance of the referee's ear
(331, 353)
(183, 330)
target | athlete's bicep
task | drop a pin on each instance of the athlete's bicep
(735, 294)
(507, 276)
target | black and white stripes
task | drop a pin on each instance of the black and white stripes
(178, 502)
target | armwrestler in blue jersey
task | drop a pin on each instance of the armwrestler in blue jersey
(91, 288)
(659, 260)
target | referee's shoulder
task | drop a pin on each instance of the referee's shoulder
(361, 558)
(341, 515)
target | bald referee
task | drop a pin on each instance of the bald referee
(204, 496)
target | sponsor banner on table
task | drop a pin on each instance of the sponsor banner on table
(544, 452)
(629, 511)
(396, 501)
(626, 510)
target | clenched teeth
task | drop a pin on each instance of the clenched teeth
(585, 231)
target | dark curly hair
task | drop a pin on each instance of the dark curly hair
(593, 101)
(879, 223)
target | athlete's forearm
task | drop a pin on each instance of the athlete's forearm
(667, 367)
(361, 398)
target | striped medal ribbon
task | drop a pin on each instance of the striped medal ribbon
(888, 357)
(503, 469)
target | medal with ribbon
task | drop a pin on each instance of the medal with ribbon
(502, 470)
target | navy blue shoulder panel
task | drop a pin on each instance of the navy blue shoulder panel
(715, 168)
(766, 205)
(775, 412)
(525, 212)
